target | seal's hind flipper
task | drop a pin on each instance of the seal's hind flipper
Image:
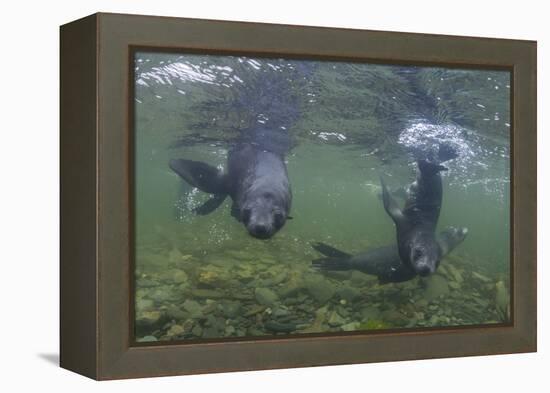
(198, 174)
(390, 205)
(329, 251)
(332, 264)
(210, 205)
(430, 168)
(446, 152)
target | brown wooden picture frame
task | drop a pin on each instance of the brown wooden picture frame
(97, 185)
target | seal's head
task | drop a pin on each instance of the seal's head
(424, 254)
(263, 216)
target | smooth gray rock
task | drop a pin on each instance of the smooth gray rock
(147, 339)
(231, 309)
(436, 286)
(319, 288)
(370, 313)
(348, 293)
(193, 308)
(145, 305)
(335, 319)
(174, 312)
(266, 296)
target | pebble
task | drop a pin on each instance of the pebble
(145, 305)
(266, 296)
(231, 309)
(175, 330)
(210, 332)
(349, 327)
(370, 313)
(280, 312)
(335, 319)
(174, 312)
(454, 285)
(456, 274)
(275, 280)
(212, 276)
(436, 286)
(197, 331)
(256, 309)
(160, 295)
(279, 327)
(349, 294)
(180, 277)
(394, 317)
(502, 298)
(207, 294)
(229, 330)
(147, 339)
(480, 277)
(148, 320)
(319, 288)
(175, 255)
(193, 307)
(422, 303)
(245, 274)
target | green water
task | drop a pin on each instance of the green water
(205, 277)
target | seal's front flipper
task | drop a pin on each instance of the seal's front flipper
(210, 205)
(450, 238)
(198, 174)
(329, 251)
(332, 264)
(390, 205)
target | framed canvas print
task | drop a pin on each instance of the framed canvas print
(240, 196)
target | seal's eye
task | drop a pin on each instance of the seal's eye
(245, 215)
(279, 218)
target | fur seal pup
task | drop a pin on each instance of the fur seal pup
(256, 180)
(416, 222)
(383, 262)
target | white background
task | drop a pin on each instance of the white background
(29, 194)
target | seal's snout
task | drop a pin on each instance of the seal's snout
(260, 231)
(423, 270)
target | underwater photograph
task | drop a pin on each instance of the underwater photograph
(278, 197)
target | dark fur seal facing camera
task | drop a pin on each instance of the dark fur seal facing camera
(417, 221)
(383, 262)
(256, 180)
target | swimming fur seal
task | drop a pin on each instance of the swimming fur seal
(383, 262)
(256, 180)
(417, 221)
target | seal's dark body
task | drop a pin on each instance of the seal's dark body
(256, 180)
(383, 262)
